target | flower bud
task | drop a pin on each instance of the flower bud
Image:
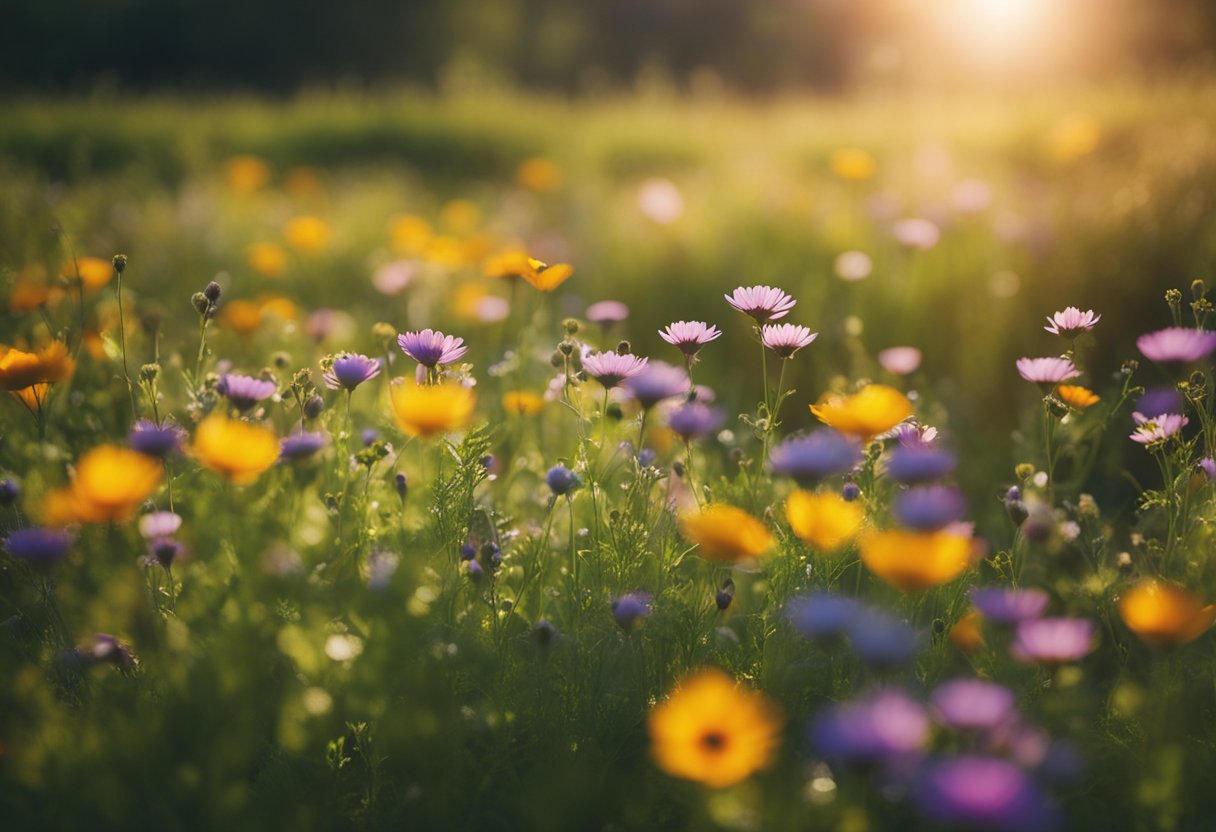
(725, 595)
(570, 326)
(120, 264)
(401, 484)
(213, 292)
(200, 303)
(313, 406)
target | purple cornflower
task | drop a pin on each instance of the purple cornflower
(695, 420)
(159, 524)
(244, 391)
(40, 547)
(972, 704)
(628, 609)
(157, 441)
(1157, 429)
(349, 370)
(786, 339)
(929, 508)
(1051, 370)
(810, 458)
(984, 793)
(611, 368)
(900, 361)
(882, 640)
(1009, 606)
(561, 480)
(764, 303)
(1158, 400)
(1071, 322)
(689, 336)
(1052, 640)
(1208, 466)
(1177, 343)
(431, 348)
(909, 434)
(920, 464)
(656, 382)
(165, 551)
(607, 312)
(301, 446)
(886, 726)
(822, 616)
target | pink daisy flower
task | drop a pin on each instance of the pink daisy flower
(611, 368)
(689, 336)
(786, 339)
(1071, 322)
(764, 303)
(1047, 370)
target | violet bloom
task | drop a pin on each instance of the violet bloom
(40, 547)
(1177, 343)
(786, 339)
(1051, 370)
(909, 434)
(984, 793)
(431, 348)
(689, 336)
(159, 524)
(883, 641)
(1208, 466)
(561, 480)
(629, 609)
(165, 551)
(1071, 322)
(1052, 640)
(887, 726)
(900, 361)
(921, 464)
(1159, 400)
(972, 704)
(301, 446)
(764, 303)
(244, 391)
(810, 458)
(695, 420)
(929, 508)
(822, 616)
(656, 382)
(149, 439)
(349, 370)
(1157, 429)
(1001, 605)
(611, 368)
(607, 312)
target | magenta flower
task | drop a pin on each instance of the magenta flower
(975, 792)
(786, 339)
(764, 303)
(972, 704)
(244, 391)
(689, 336)
(607, 312)
(349, 370)
(1071, 322)
(1052, 640)
(886, 726)
(1158, 428)
(611, 368)
(1177, 343)
(431, 348)
(695, 420)
(1047, 370)
(1009, 606)
(900, 361)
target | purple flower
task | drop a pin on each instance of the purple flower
(349, 370)
(1051, 370)
(401, 484)
(244, 391)
(1208, 466)
(886, 726)
(9, 492)
(822, 616)
(1177, 343)
(150, 440)
(764, 303)
(1052, 640)
(1157, 429)
(1159, 400)
(921, 464)
(611, 368)
(984, 793)
(369, 437)
(786, 339)
(607, 312)
(431, 348)
(300, 446)
(562, 480)
(41, 548)
(1071, 322)
(972, 704)
(882, 640)
(850, 491)
(814, 456)
(929, 508)
(1009, 606)
(159, 524)
(165, 551)
(900, 361)
(695, 420)
(689, 336)
(725, 595)
(656, 382)
(628, 609)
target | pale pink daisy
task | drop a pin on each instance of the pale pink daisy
(1177, 343)
(786, 339)
(764, 303)
(1071, 322)
(611, 368)
(689, 336)
(1050, 370)
(1157, 428)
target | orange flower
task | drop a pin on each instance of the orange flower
(825, 521)
(27, 295)
(546, 278)
(1076, 396)
(522, 403)
(868, 412)
(853, 164)
(427, 410)
(966, 634)
(238, 451)
(94, 272)
(308, 234)
(246, 173)
(1163, 614)
(538, 174)
(910, 561)
(109, 484)
(726, 533)
(33, 397)
(410, 234)
(267, 259)
(19, 369)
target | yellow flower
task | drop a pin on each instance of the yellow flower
(522, 403)
(853, 164)
(966, 634)
(1163, 615)
(109, 484)
(868, 412)
(246, 173)
(1076, 396)
(713, 730)
(426, 410)
(726, 533)
(510, 263)
(242, 316)
(33, 397)
(1072, 137)
(460, 216)
(410, 234)
(546, 278)
(446, 251)
(238, 451)
(825, 521)
(94, 272)
(538, 174)
(308, 234)
(20, 369)
(267, 259)
(910, 561)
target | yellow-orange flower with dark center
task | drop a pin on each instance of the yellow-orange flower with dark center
(1076, 396)
(825, 521)
(868, 412)
(522, 403)
(726, 533)
(19, 369)
(911, 561)
(238, 451)
(109, 484)
(853, 164)
(427, 410)
(306, 233)
(1163, 614)
(714, 731)
(267, 259)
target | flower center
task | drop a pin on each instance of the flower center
(713, 740)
